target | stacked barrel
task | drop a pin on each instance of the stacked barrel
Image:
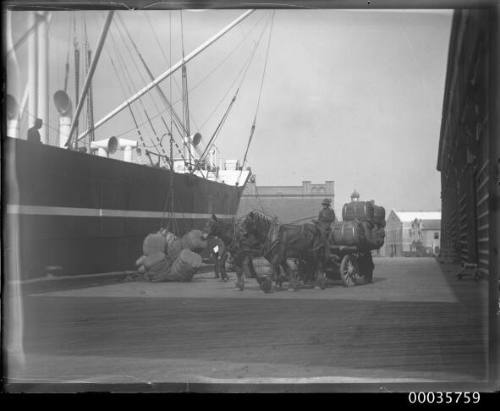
(169, 258)
(363, 226)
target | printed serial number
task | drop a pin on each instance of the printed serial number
(438, 397)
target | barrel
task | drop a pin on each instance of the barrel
(357, 210)
(153, 243)
(379, 215)
(185, 266)
(346, 233)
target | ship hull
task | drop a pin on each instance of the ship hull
(87, 214)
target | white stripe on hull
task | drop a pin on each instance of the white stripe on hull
(100, 212)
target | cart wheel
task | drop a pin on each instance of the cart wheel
(349, 270)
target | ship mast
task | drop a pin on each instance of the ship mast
(185, 105)
(90, 74)
(167, 73)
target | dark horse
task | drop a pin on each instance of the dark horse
(302, 242)
(242, 246)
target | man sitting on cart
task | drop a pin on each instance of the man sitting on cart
(325, 218)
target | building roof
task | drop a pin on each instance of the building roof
(409, 216)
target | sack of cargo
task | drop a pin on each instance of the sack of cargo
(185, 266)
(150, 260)
(357, 210)
(194, 241)
(379, 215)
(379, 236)
(373, 236)
(153, 243)
(346, 233)
(262, 266)
(159, 271)
(174, 249)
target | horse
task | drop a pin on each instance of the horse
(302, 242)
(241, 246)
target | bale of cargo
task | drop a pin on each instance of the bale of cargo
(346, 233)
(153, 243)
(194, 240)
(151, 260)
(379, 215)
(185, 266)
(357, 210)
(373, 235)
(262, 267)
(174, 248)
(159, 271)
(379, 236)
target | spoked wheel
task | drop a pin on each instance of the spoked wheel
(349, 270)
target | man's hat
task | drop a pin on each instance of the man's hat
(326, 201)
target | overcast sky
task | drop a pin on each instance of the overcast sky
(349, 96)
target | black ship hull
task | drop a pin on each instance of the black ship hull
(88, 214)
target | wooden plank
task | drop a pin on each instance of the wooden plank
(482, 199)
(483, 183)
(484, 214)
(483, 167)
(483, 227)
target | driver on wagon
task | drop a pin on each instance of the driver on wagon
(325, 218)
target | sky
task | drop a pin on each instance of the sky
(350, 96)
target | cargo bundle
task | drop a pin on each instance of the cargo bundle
(362, 226)
(168, 258)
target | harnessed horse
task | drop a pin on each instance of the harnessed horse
(281, 242)
(242, 246)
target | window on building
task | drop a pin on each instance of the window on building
(436, 236)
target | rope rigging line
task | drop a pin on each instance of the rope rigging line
(226, 113)
(141, 139)
(155, 35)
(162, 149)
(179, 125)
(129, 83)
(179, 100)
(172, 221)
(243, 72)
(66, 66)
(218, 128)
(252, 131)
